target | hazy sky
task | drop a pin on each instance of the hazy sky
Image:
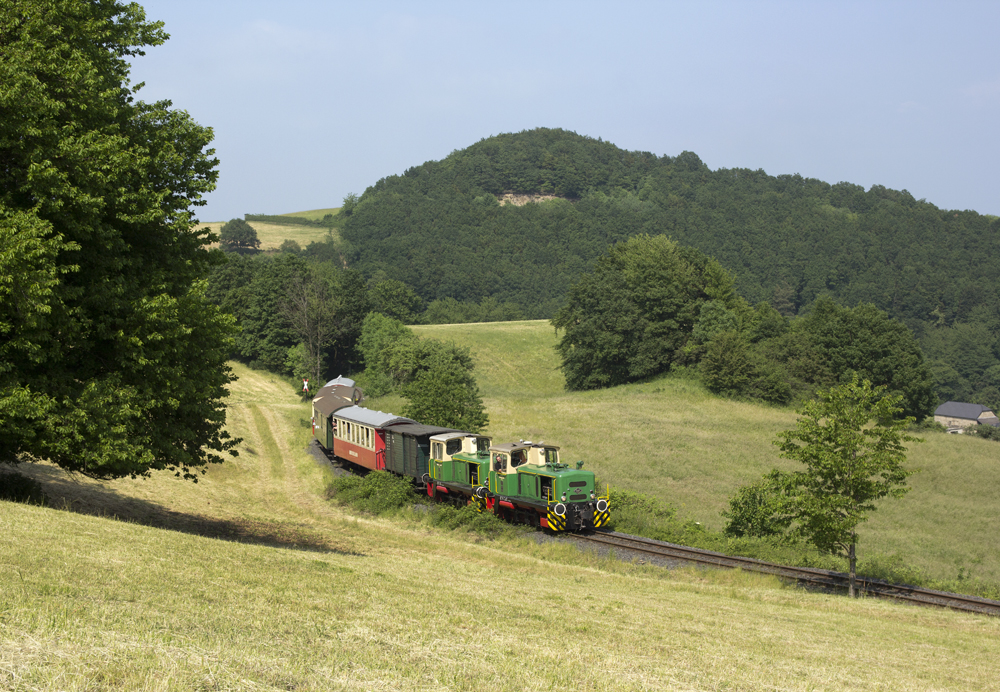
(312, 100)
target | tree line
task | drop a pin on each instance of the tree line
(651, 305)
(787, 240)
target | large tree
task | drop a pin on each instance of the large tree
(628, 318)
(851, 441)
(239, 237)
(112, 362)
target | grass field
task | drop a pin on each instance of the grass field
(304, 596)
(272, 235)
(314, 214)
(671, 439)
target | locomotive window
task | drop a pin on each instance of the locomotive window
(454, 446)
(483, 445)
(551, 456)
(578, 484)
(436, 450)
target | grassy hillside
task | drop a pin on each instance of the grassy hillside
(310, 598)
(672, 439)
(314, 214)
(272, 235)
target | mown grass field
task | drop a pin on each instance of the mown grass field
(272, 235)
(314, 214)
(250, 580)
(671, 439)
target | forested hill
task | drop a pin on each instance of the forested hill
(444, 228)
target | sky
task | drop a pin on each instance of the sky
(313, 100)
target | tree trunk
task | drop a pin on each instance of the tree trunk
(853, 558)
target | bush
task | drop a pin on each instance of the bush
(378, 492)
(987, 432)
(15, 487)
(756, 510)
(454, 518)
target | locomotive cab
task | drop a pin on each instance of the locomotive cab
(460, 457)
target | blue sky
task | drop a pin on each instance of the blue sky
(313, 100)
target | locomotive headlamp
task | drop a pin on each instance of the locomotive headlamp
(564, 497)
(591, 494)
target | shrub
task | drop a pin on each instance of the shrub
(454, 518)
(378, 492)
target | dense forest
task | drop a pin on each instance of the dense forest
(458, 230)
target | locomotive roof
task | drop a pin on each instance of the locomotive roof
(451, 435)
(511, 446)
(341, 381)
(376, 419)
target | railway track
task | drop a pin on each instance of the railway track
(804, 575)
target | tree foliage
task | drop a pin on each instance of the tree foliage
(437, 378)
(112, 361)
(628, 318)
(786, 239)
(239, 237)
(851, 440)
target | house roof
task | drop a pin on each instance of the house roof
(958, 409)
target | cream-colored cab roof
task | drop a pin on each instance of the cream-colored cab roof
(469, 444)
(510, 457)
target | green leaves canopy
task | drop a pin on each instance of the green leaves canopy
(850, 439)
(112, 362)
(626, 319)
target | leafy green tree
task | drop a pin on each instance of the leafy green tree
(866, 341)
(239, 237)
(381, 338)
(628, 318)
(395, 299)
(322, 311)
(112, 360)
(728, 367)
(851, 441)
(758, 510)
(442, 391)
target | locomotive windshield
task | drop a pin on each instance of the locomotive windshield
(483, 446)
(551, 455)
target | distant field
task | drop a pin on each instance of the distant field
(672, 439)
(272, 235)
(314, 214)
(304, 596)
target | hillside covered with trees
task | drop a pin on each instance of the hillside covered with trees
(457, 230)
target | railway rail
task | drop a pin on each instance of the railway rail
(803, 575)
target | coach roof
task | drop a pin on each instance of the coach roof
(376, 419)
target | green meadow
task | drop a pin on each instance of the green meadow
(251, 580)
(272, 235)
(672, 439)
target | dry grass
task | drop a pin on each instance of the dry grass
(306, 597)
(315, 214)
(272, 235)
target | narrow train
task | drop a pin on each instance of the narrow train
(523, 481)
